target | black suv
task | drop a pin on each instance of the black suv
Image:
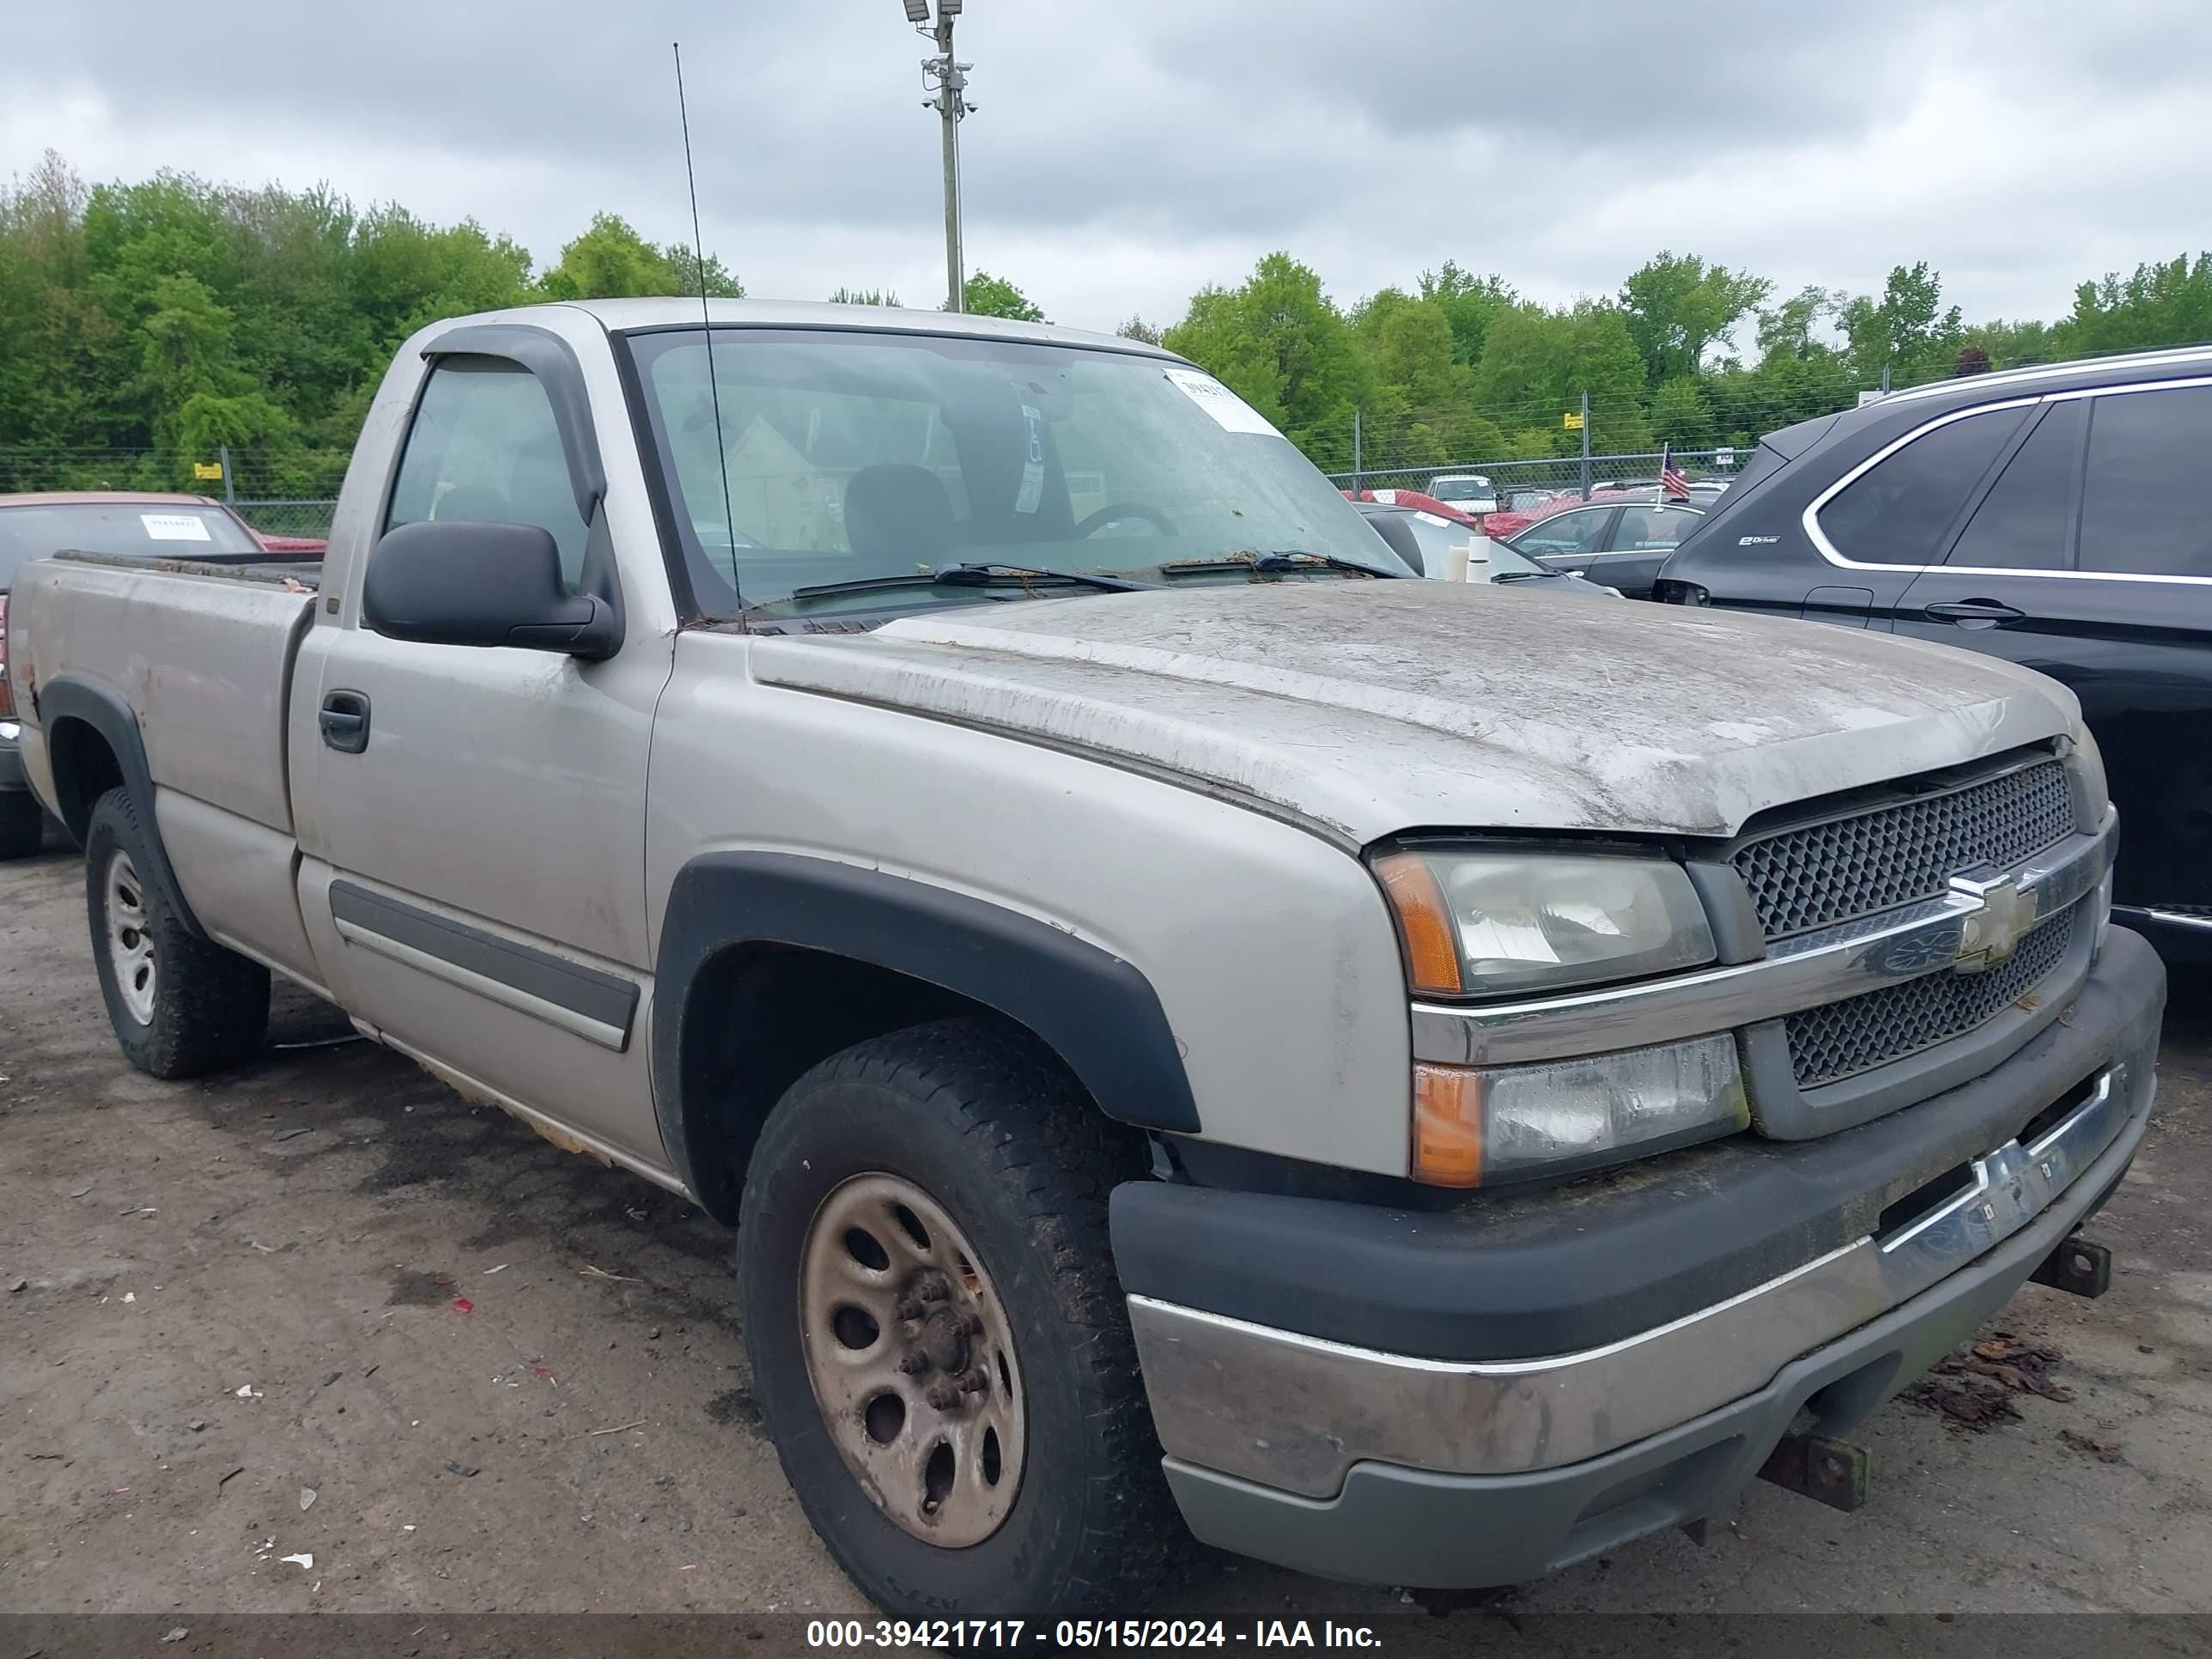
(2060, 516)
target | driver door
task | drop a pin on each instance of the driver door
(473, 819)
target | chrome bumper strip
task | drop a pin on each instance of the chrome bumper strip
(1828, 966)
(1295, 1413)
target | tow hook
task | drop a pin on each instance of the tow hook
(2078, 1267)
(1831, 1472)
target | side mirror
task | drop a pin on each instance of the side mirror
(467, 582)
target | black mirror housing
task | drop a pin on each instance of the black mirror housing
(471, 582)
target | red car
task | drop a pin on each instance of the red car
(1419, 503)
(111, 521)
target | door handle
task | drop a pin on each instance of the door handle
(344, 719)
(1970, 612)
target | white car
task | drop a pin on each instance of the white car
(1470, 492)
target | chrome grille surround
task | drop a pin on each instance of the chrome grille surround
(1839, 1040)
(1816, 875)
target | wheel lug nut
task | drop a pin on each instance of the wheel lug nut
(944, 1397)
(910, 1310)
(932, 1290)
(975, 1381)
(915, 1362)
(973, 1324)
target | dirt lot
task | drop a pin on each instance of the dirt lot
(512, 1380)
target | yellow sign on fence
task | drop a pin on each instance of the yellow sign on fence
(207, 469)
(1573, 421)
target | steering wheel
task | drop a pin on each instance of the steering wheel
(1092, 523)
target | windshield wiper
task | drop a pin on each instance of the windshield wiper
(976, 573)
(1287, 563)
(1534, 576)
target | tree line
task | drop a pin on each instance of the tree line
(173, 317)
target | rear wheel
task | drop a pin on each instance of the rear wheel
(22, 824)
(938, 1342)
(181, 1005)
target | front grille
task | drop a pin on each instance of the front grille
(1824, 873)
(1843, 1039)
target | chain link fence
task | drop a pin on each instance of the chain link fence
(291, 494)
(1517, 485)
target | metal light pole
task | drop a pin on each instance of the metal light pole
(946, 81)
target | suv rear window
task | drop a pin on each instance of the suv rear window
(1899, 512)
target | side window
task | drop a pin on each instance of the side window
(1899, 512)
(1564, 533)
(1647, 529)
(2146, 497)
(483, 447)
(2023, 523)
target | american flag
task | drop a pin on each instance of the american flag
(1672, 482)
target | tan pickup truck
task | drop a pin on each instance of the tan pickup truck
(1427, 1080)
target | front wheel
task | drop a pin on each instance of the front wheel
(937, 1338)
(181, 1005)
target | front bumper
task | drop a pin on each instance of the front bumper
(1389, 1466)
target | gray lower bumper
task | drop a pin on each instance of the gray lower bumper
(1390, 1525)
(11, 768)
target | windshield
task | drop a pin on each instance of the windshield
(853, 455)
(171, 529)
(1490, 560)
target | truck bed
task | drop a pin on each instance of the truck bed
(200, 650)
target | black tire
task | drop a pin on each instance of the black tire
(991, 1126)
(210, 1005)
(22, 824)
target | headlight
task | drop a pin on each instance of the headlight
(1474, 1127)
(1475, 923)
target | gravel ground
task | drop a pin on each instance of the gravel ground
(324, 1307)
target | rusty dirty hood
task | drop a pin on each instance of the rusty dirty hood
(1364, 708)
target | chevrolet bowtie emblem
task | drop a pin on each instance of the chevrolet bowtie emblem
(1988, 935)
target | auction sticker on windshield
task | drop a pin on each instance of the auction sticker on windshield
(174, 527)
(1230, 412)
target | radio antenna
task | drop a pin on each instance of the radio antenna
(705, 321)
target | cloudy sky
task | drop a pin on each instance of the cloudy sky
(1128, 151)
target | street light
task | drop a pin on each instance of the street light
(947, 81)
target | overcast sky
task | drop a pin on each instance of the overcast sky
(1128, 151)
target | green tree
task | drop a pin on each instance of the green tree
(1138, 329)
(1280, 343)
(611, 261)
(1682, 415)
(986, 296)
(1906, 332)
(1676, 307)
(2160, 305)
(864, 296)
(1470, 302)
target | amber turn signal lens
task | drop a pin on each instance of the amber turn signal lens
(1424, 923)
(1447, 1125)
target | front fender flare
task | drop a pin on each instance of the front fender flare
(1096, 1011)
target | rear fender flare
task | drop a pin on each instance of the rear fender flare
(73, 697)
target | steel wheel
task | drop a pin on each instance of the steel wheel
(129, 941)
(912, 1360)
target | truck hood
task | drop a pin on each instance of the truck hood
(1365, 708)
